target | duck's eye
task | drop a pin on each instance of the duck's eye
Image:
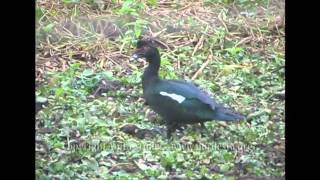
(146, 49)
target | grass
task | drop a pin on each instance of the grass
(232, 49)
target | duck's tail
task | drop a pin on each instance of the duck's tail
(225, 114)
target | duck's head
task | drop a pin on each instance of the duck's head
(145, 49)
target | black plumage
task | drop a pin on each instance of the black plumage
(177, 102)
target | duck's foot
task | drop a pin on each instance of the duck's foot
(204, 131)
(171, 127)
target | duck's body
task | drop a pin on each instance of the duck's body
(178, 102)
(172, 99)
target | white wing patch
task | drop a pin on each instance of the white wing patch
(173, 96)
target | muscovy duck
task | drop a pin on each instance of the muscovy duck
(177, 102)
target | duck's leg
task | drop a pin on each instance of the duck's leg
(179, 127)
(202, 125)
(171, 127)
(204, 129)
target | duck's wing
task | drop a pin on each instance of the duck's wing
(183, 90)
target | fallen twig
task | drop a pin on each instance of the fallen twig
(198, 44)
(116, 165)
(209, 58)
(223, 23)
(158, 33)
(162, 43)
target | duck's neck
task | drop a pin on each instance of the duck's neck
(151, 73)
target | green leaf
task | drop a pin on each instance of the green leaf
(137, 31)
(70, 1)
(224, 167)
(39, 13)
(138, 26)
(180, 158)
(234, 50)
(91, 163)
(231, 178)
(40, 99)
(58, 166)
(227, 156)
(152, 2)
(75, 66)
(87, 72)
(107, 74)
(59, 92)
(105, 153)
(58, 144)
(48, 28)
